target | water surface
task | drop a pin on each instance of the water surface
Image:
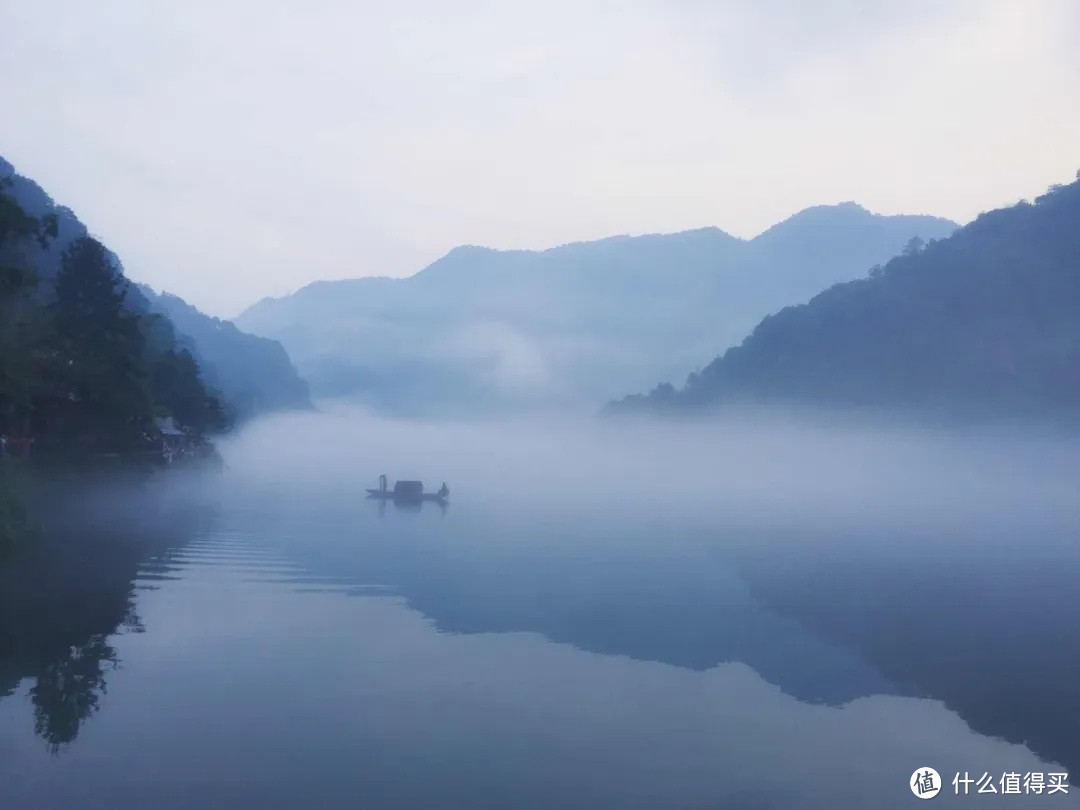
(709, 631)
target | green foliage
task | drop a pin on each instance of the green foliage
(16, 224)
(19, 318)
(80, 371)
(913, 246)
(100, 381)
(177, 390)
(253, 374)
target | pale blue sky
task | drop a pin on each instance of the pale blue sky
(233, 149)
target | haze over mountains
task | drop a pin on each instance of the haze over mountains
(579, 324)
(983, 324)
(842, 307)
(252, 374)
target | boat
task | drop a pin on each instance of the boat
(407, 492)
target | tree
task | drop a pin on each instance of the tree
(19, 317)
(913, 246)
(178, 392)
(80, 370)
(90, 293)
(16, 224)
(99, 369)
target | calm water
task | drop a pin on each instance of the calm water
(267, 639)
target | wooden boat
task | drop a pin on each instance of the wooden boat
(407, 492)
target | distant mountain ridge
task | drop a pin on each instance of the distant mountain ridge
(573, 324)
(982, 324)
(253, 374)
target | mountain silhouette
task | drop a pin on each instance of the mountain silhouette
(575, 324)
(253, 374)
(984, 323)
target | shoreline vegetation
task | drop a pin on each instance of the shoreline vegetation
(88, 381)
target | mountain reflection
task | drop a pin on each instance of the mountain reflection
(964, 619)
(827, 618)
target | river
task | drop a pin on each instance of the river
(746, 616)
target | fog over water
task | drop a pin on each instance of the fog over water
(804, 469)
(759, 611)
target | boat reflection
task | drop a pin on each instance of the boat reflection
(411, 506)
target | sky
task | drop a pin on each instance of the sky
(235, 149)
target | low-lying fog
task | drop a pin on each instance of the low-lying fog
(749, 469)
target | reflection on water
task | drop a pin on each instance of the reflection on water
(987, 623)
(67, 691)
(410, 506)
(261, 646)
(64, 599)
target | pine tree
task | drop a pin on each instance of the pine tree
(99, 366)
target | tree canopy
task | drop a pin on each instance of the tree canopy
(80, 371)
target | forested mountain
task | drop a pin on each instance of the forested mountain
(985, 323)
(251, 374)
(80, 372)
(578, 323)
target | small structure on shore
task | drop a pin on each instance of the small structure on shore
(408, 492)
(174, 441)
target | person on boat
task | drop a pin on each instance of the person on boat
(444, 490)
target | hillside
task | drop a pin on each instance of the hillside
(82, 374)
(252, 374)
(985, 323)
(575, 324)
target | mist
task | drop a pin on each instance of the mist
(567, 406)
(591, 583)
(739, 470)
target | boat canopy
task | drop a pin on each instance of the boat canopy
(408, 489)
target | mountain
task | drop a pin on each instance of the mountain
(83, 375)
(33, 200)
(576, 324)
(252, 374)
(984, 323)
